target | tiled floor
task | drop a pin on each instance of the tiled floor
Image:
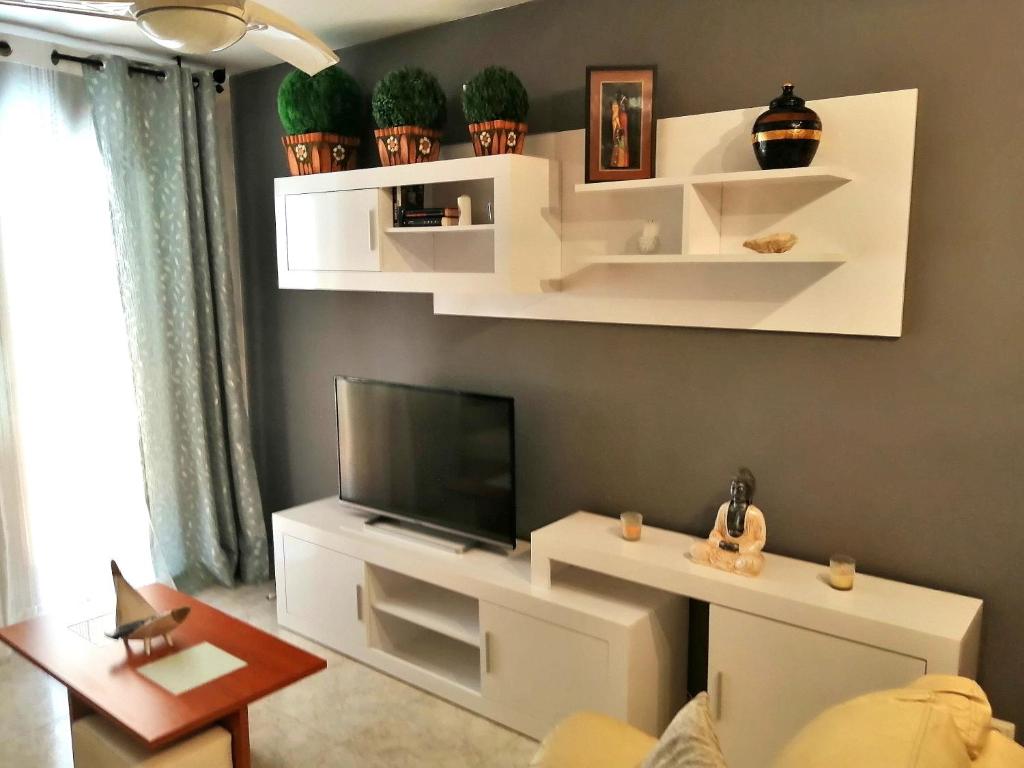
(349, 715)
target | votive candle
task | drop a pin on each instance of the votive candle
(632, 525)
(841, 570)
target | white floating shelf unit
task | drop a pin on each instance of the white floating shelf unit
(557, 247)
(335, 230)
(850, 211)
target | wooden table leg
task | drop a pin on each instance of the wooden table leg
(77, 706)
(238, 724)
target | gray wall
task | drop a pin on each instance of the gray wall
(906, 453)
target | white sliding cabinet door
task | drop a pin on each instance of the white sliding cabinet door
(768, 679)
(540, 668)
(333, 231)
(320, 594)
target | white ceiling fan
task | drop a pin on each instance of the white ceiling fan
(205, 26)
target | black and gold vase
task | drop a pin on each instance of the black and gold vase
(788, 134)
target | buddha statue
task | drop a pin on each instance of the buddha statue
(739, 535)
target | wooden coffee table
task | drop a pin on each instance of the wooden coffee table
(103, 679)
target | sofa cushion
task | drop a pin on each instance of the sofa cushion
(590, 740)
(1000, 752)
(898, 729)
(966, 702)
(98, 743)
(689, 741)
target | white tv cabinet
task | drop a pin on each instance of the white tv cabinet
(472, 628)
(784, 646)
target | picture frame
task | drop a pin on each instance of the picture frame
(620, 133)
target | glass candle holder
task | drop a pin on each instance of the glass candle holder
(632, 525)
(841, 570)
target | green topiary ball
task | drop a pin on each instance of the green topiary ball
(328, 101)
(495, 93)
(409, 96)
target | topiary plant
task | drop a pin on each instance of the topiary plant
(409, 96)
(329, 101)
(495, 93)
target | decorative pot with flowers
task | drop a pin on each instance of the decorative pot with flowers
(495, 104)
(409, 108)
(321, 116)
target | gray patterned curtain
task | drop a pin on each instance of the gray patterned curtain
(158, 142)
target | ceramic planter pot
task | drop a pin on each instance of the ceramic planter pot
(320, 152)
(788, 134)
(404, 144)
(498, 137)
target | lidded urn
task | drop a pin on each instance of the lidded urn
(788, 134)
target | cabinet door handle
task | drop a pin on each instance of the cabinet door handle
(486, 648)
(715, 695)
(359, 602)
(369, 231)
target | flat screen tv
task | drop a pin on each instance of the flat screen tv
(438, 458)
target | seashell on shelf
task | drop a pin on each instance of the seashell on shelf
(779, 242)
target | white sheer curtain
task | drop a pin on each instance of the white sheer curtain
(71, 428)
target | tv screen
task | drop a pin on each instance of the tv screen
(436, 457)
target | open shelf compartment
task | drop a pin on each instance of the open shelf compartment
(430, 651)
(723, 210)
(440, 610)
(414, 249)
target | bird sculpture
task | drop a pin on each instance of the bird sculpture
(136, 619)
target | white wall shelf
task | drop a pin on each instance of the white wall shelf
(716, 258)
(632, 185)
(746, 178)
(453, 230)
(813, 173)
(850, 211)
(334, 230)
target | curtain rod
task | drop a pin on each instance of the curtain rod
(219, 75)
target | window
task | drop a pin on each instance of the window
(76, 427)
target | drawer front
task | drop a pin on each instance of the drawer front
(769, 679)
(320, 595)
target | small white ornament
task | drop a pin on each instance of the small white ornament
(649, 240)
(465, 211)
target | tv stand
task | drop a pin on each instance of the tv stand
(419, 534)
(473, 630)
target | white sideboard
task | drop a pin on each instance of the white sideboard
(472, 628)
(784, 646)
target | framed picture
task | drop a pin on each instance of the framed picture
(620, 123)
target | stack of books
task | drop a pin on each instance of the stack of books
(428, 217)
(409, 210)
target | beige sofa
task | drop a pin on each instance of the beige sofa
(938, 721)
